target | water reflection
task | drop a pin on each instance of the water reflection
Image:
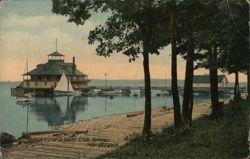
(46, 113)
(56, 111)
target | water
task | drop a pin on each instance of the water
(133, 83)
(47, 113)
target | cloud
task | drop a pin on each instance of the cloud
(14, 20)
(33, 37)
(20, 43)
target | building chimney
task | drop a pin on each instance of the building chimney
(74, 65)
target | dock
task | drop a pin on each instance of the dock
(168, 89)
(124, 90)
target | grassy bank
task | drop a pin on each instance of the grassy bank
(209, 138)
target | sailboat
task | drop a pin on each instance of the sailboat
(135, 93)
(109, 92)
(27, 96)
(64, 87)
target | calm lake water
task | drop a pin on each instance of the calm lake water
(47, 113)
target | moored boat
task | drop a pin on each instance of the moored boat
(64, 87)
(26, 98)
(111, 92)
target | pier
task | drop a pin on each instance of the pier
(181, 89)
(125, 90)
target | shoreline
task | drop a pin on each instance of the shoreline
(95, 137)
(106, 122)
(155, 110)
(119, 115)
(69, 126)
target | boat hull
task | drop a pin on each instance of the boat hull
(66, 93)
(24, 99)
(109, 93)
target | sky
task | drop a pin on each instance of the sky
(29, 29)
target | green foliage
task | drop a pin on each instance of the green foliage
(145, 27)
(236, 46)
(208, 138)
(134, 24)
(226, 24)
(79, 11)
(132, 28)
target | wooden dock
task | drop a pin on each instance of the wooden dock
(181, 89)
(125, 90)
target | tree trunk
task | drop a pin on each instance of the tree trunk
(191, 109)
(236, 87)
(174, 84)
(188, 85)
(248, 70)
(213, 79)
(174, 88)
(248, 81)
(147, 117)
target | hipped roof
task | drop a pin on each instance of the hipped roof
(55, 54)
(54, 68)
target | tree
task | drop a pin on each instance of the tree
(169, 22)
(248, 69)
(132, 29)
(190, 19)
(174, 80)
(210, 41)
(235, 51)
(218, 38)
(235, 57)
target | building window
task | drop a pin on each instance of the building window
(36, 84)
(45, 83)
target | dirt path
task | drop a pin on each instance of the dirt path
(89, 139)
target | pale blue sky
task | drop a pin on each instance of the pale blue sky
(28, 29)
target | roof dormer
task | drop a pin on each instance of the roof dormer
(55, 56)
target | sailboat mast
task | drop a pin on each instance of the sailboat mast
(165, 87)
(27, 119)
(56, 44)
(134, 84)
(24, 71)
(27, 67)
(68, 83)
(105, 81)
(165, 81)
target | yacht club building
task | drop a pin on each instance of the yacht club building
(46, 76)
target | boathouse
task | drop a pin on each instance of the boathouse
(204, 81)
(46, 76)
